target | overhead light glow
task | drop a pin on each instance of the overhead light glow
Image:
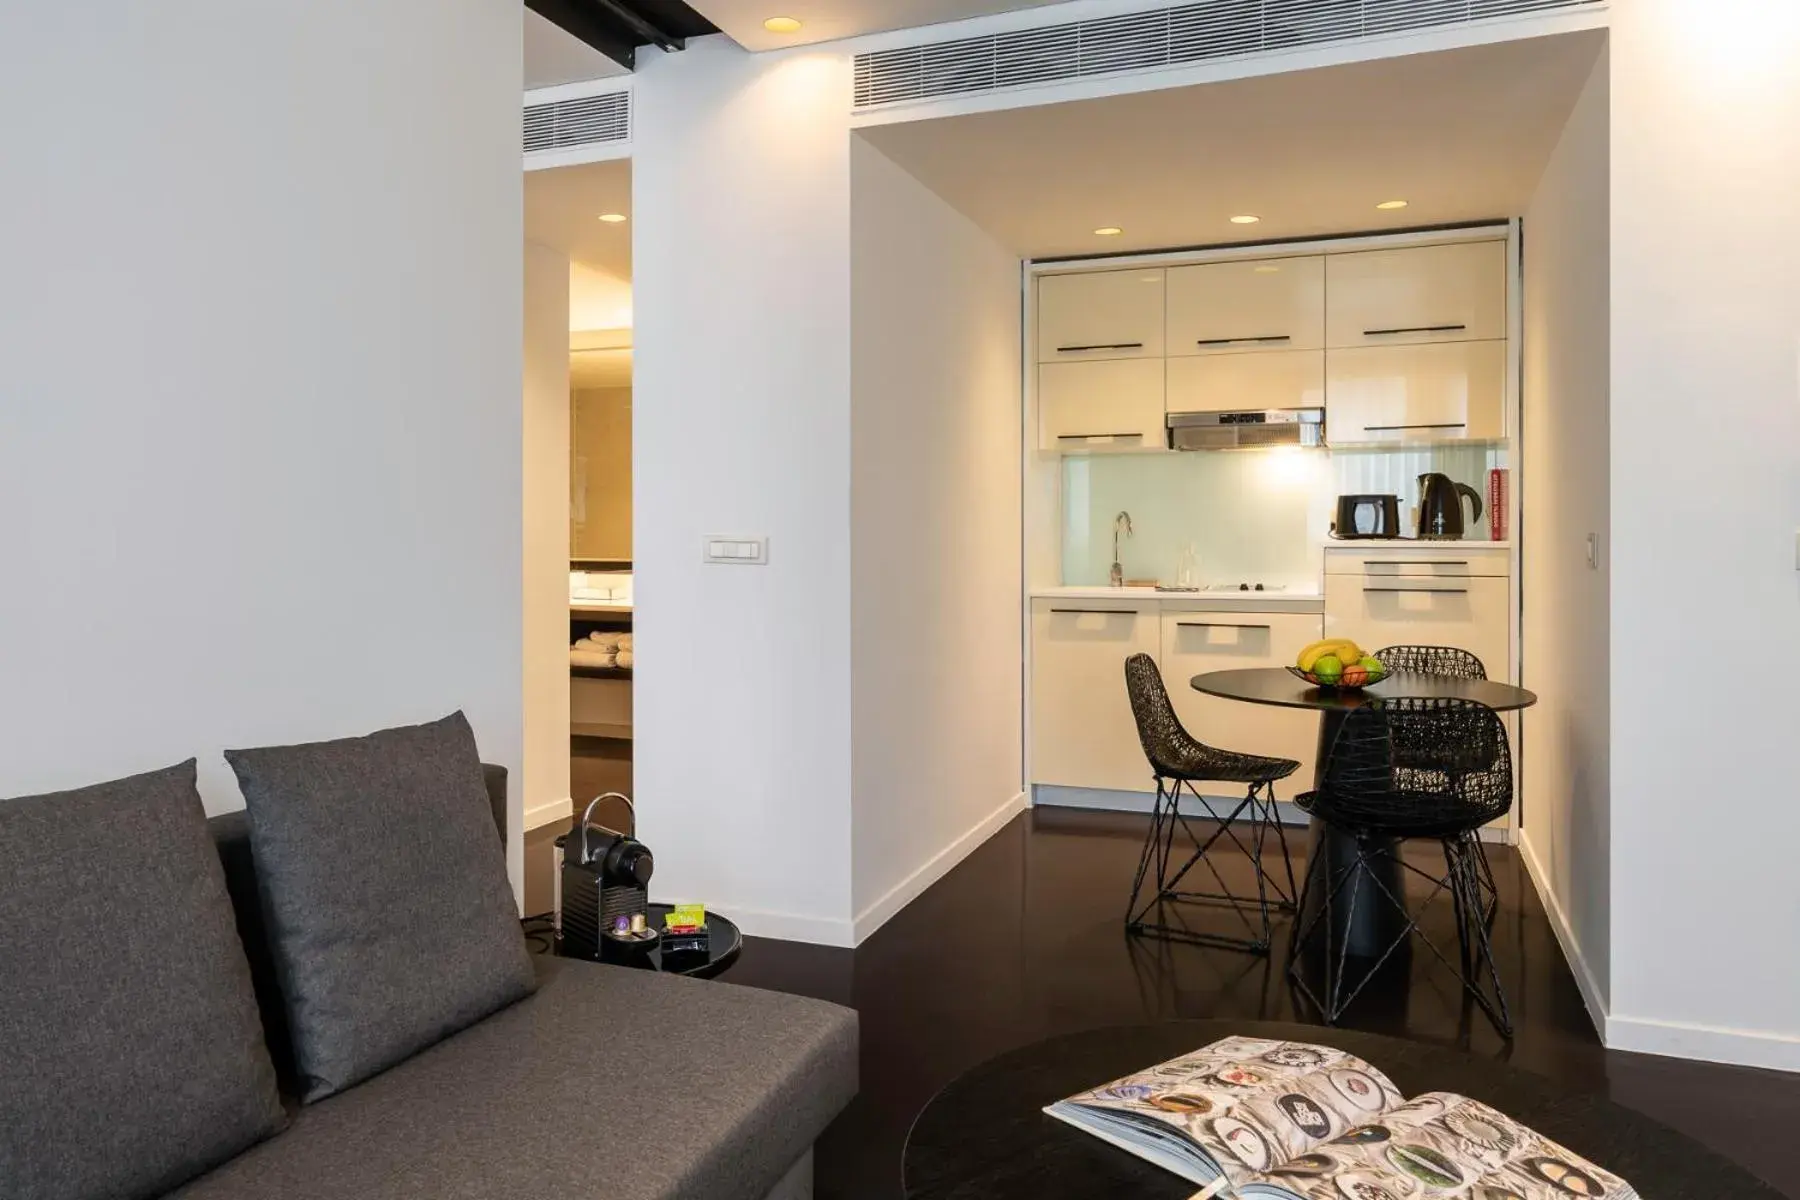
(1391, 204)
(1267, 269)
(782, 25)
(1109, 231)
(612, 218)
(1245, 219)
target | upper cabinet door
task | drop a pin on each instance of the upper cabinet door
(1232, 307)
(1453, 293)
(1104, 314)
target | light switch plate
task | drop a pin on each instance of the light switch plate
(735, 550)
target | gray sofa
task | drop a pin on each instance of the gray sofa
(607, 1082)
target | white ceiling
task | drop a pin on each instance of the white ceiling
(563, 207)
(1462, 134)
(553, 56)
(824, 20)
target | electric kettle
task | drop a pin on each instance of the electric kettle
(1440, 506)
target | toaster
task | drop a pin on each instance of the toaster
(1367, 517)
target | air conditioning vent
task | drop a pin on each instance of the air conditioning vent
(1165, 37)
(579, 122)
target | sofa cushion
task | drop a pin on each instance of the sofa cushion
(133, 1057)
(385, 897)
(573, 1095)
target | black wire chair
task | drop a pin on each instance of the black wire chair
(1179, 761)
(1455, 663)
(1408, 768)
(1432, 660)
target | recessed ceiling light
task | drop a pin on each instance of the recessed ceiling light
(1266, 269)
(782, 25)
(1391, 204)
(612, 218)
(1109, 231)
(1245, 219)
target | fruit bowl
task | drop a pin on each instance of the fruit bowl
(1339, 664)
(1340, 683)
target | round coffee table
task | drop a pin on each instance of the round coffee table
(1366, 923)
(986, 1136)
(724, 946)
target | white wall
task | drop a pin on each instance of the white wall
(544, 782)
(1564, 496)
(1705, 505)
(935, 570)
(741, 425)
(259, 379)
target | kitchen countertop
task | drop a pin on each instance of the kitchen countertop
(1360, 545)
(1302, 600)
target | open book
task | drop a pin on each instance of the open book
(1253, 1118)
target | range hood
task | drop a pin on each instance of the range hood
(1247, 430)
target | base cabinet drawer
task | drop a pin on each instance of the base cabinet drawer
(1082, 731)
(1471, 613)
(1194, 643)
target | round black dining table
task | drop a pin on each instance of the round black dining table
(1368, 924)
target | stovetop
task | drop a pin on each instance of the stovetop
(1225, 587)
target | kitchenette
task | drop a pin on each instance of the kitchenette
(1234, 453)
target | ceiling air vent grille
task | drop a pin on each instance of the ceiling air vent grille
(1165, 37)
(579, 122)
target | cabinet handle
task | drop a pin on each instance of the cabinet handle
(1427, 590)
(1108, 346)
(1411, 562)
(1076, 437)
(1415, 329)
(1216, 625)
(1094, 612)
(1246, 341)
(1387, 428)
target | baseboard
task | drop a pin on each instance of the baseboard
(1674, 1039)
(907, 890)
(1104, 800)
(544, 814)
(1585, 982)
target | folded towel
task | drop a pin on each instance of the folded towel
(626, 658)
(591, 658)
(602, 641)
(625, 642)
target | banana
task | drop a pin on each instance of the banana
(1342, 648)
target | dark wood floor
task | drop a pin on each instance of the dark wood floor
(1025, 940)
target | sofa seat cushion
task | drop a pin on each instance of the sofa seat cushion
(389, 916)
(608, 1082)
(131, 1056)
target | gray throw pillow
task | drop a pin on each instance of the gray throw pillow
(384, 893)
(131, 1053)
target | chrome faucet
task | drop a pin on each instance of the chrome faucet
(1121, 524)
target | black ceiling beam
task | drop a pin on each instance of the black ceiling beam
(616, 28)
(592, 25)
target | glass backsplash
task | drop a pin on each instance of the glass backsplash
(1249, 515)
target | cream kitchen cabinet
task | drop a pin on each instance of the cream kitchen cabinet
(1441, 391)
(1240, 307)
(1082, 731)
(1424, 606)
(1196, 642)
(1100, 315)
(1444, 293)
(1117, 402)
(1276, 379)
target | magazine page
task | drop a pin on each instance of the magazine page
(1248, 1103)
(1441, 1145)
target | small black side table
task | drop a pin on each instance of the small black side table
(727, 942)
(985, 1138)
